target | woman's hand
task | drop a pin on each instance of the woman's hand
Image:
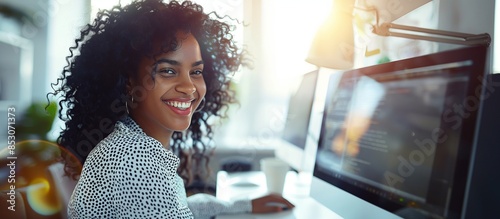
(270, 203)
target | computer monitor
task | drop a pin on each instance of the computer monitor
(290, 147)
(299, 111)
(396, 139)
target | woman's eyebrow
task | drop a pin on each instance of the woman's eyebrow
(169, 61)
(197, 63)
(173, 62)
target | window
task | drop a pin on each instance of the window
(278, 37)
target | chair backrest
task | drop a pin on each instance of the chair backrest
(63, 183)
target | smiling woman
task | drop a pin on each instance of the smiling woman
(141, 84)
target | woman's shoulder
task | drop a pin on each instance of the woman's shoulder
(126, 139)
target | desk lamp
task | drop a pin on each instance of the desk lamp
(333, 45)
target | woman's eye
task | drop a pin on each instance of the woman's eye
(166, 71)
(197, 72)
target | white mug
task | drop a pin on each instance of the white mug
(275, 171)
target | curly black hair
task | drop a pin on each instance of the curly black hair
(107, 54)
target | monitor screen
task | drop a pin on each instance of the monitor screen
(299, 111)
(399, 135)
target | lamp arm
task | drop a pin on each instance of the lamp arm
(450, 37)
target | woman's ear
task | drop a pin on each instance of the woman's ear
(130, 85)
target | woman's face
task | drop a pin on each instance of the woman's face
(167, 103)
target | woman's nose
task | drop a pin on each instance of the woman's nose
(185, 85)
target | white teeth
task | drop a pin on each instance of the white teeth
(180, 105)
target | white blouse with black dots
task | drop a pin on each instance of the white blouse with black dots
(130, 175)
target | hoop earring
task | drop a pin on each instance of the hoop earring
(201, 106)
(126, 103)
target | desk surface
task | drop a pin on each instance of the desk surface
(249, 185)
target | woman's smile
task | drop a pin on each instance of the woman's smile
(181, 106)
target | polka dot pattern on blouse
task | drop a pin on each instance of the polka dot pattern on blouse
(130, 175)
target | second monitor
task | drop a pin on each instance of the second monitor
(291, 146)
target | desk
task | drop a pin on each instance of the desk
(249, 185)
